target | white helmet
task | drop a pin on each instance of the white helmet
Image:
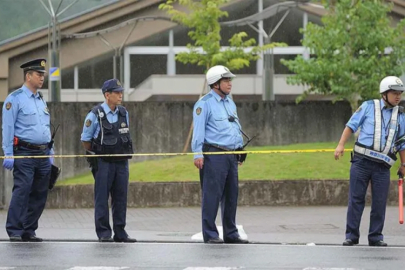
(216, 73)
(391, 83)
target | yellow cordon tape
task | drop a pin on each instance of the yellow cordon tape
(186, 154)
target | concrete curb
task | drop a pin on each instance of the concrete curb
(251, 193)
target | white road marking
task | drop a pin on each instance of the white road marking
(212, 268)
(323, 268)
(97, 268)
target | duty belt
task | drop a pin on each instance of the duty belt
(218, 147)
(33, 146)
(374, 154)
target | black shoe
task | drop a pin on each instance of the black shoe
(31, 238)
(106, 240)
(350, 242)
(379, 243)
(125, 240)
(15, 238)
(215, 241)
(236, 241)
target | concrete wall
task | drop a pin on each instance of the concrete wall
(253, 193)
(164, 126)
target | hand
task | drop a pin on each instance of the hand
(339, 151)
(93, 162)
(51, 153)
(8, 163)
(199, 163)
(401, 171)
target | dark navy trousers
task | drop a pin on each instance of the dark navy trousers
(111, 178)
(219, 184)
(363, 171)
(30, 191)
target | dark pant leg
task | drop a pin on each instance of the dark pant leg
(215, 173)
(230, 200)
(119, 198)
(38, 195)
(380, 183)
(201, 173)
(102, 186)
(360, 175)
(23, 173)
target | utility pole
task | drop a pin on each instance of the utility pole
(54, 41)
(268, 55)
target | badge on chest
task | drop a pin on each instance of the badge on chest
(123, 129)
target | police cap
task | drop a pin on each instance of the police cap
(36, 65)
(112, 85)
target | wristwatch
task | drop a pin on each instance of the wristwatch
(403, 164)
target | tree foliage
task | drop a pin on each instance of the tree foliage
(348, 51)
(203, 20)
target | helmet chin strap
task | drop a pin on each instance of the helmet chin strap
(220, 90)
(385, 98)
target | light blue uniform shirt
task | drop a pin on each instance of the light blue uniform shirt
(364, 118)
(211, 124)
(25, 116)
(92, 131)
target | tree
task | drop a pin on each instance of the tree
(349, 59)
(203, 20)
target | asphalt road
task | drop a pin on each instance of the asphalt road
(194, 256)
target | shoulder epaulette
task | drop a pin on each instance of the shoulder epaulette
(122, 110)
(16, 92)
(206, 97)
(96, 108)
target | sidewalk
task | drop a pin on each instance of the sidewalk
(289, 225)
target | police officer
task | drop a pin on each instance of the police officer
(217, 128)
(26, 132)
(106, 131)
(381, 124)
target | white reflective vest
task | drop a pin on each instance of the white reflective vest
(376, 152)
